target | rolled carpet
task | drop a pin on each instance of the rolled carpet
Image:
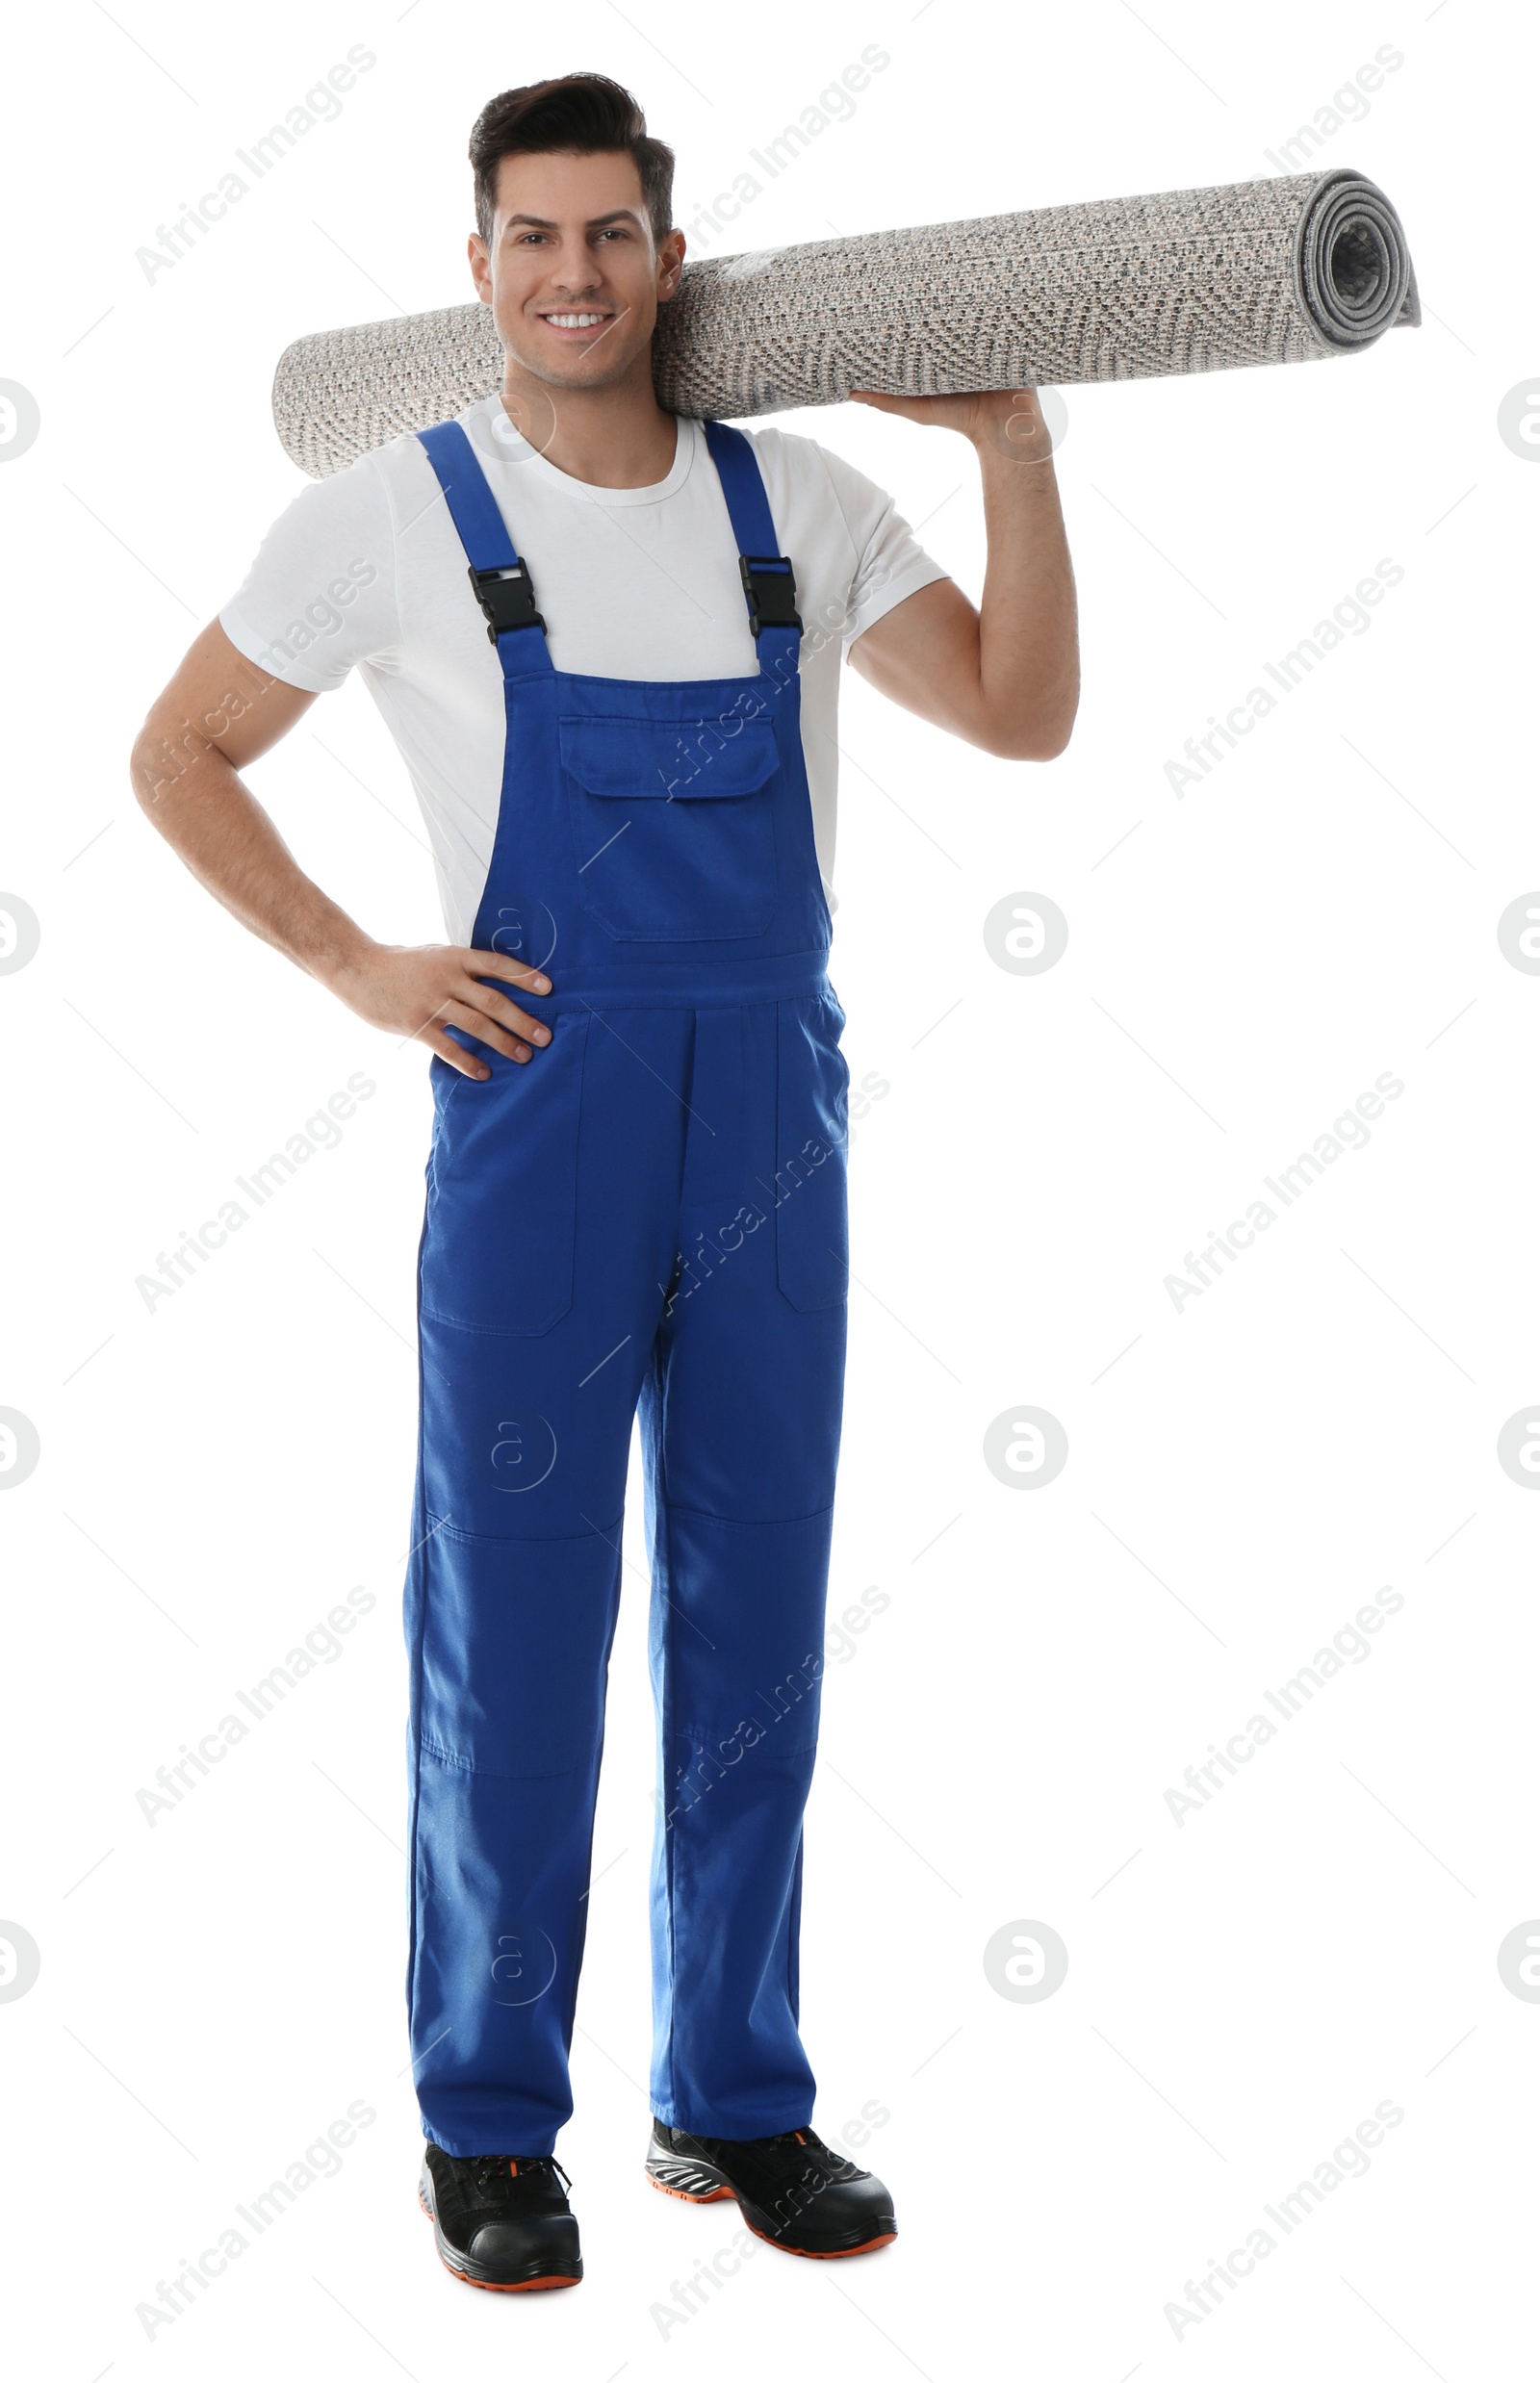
(1277, 271)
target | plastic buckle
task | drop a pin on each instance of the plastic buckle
(771, 588)
(506, 596)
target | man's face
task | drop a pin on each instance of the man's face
(571, 274)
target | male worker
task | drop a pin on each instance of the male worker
(583, 618)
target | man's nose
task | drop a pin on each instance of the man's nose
(574, 270)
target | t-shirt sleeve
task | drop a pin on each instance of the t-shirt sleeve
(321, 595)
(891, 562)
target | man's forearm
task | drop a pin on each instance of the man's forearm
(1005, 677)
(196, 797)
(186, 771)
(1029, 669)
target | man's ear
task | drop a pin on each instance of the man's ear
(674, 273)
(481, 263)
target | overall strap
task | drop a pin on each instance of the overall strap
(769, 584)
(503, 588)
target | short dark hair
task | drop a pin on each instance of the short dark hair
(583, 114)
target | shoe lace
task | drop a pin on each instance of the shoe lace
(820, 2156)
(499, 2169)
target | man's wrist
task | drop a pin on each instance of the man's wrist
(342, 960)
(1014, 432)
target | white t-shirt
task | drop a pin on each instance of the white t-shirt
(366, 568)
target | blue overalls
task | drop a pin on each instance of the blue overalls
(651, 1210)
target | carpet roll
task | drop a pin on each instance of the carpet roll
(1277, 271)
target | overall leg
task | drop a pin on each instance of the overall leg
(551, 1209)
(741, 1414)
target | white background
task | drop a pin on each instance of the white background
(1322, 1936)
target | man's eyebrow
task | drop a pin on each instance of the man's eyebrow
(544, 223)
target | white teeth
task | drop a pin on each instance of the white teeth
(574, 323)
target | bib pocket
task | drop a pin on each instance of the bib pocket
(503, 1188)
(672, 825)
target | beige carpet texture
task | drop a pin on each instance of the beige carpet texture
(1277, 271)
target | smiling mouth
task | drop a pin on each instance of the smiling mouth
(574, 320)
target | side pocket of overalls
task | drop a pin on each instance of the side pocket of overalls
(503, 1188)
(813, 1089)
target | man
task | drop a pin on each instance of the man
(583, 620)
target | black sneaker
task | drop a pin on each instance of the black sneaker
(503, 2223)
(793, 2191)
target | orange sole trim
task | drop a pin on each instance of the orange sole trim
(723, 2192)
(878, 2242)
(536, 2283)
